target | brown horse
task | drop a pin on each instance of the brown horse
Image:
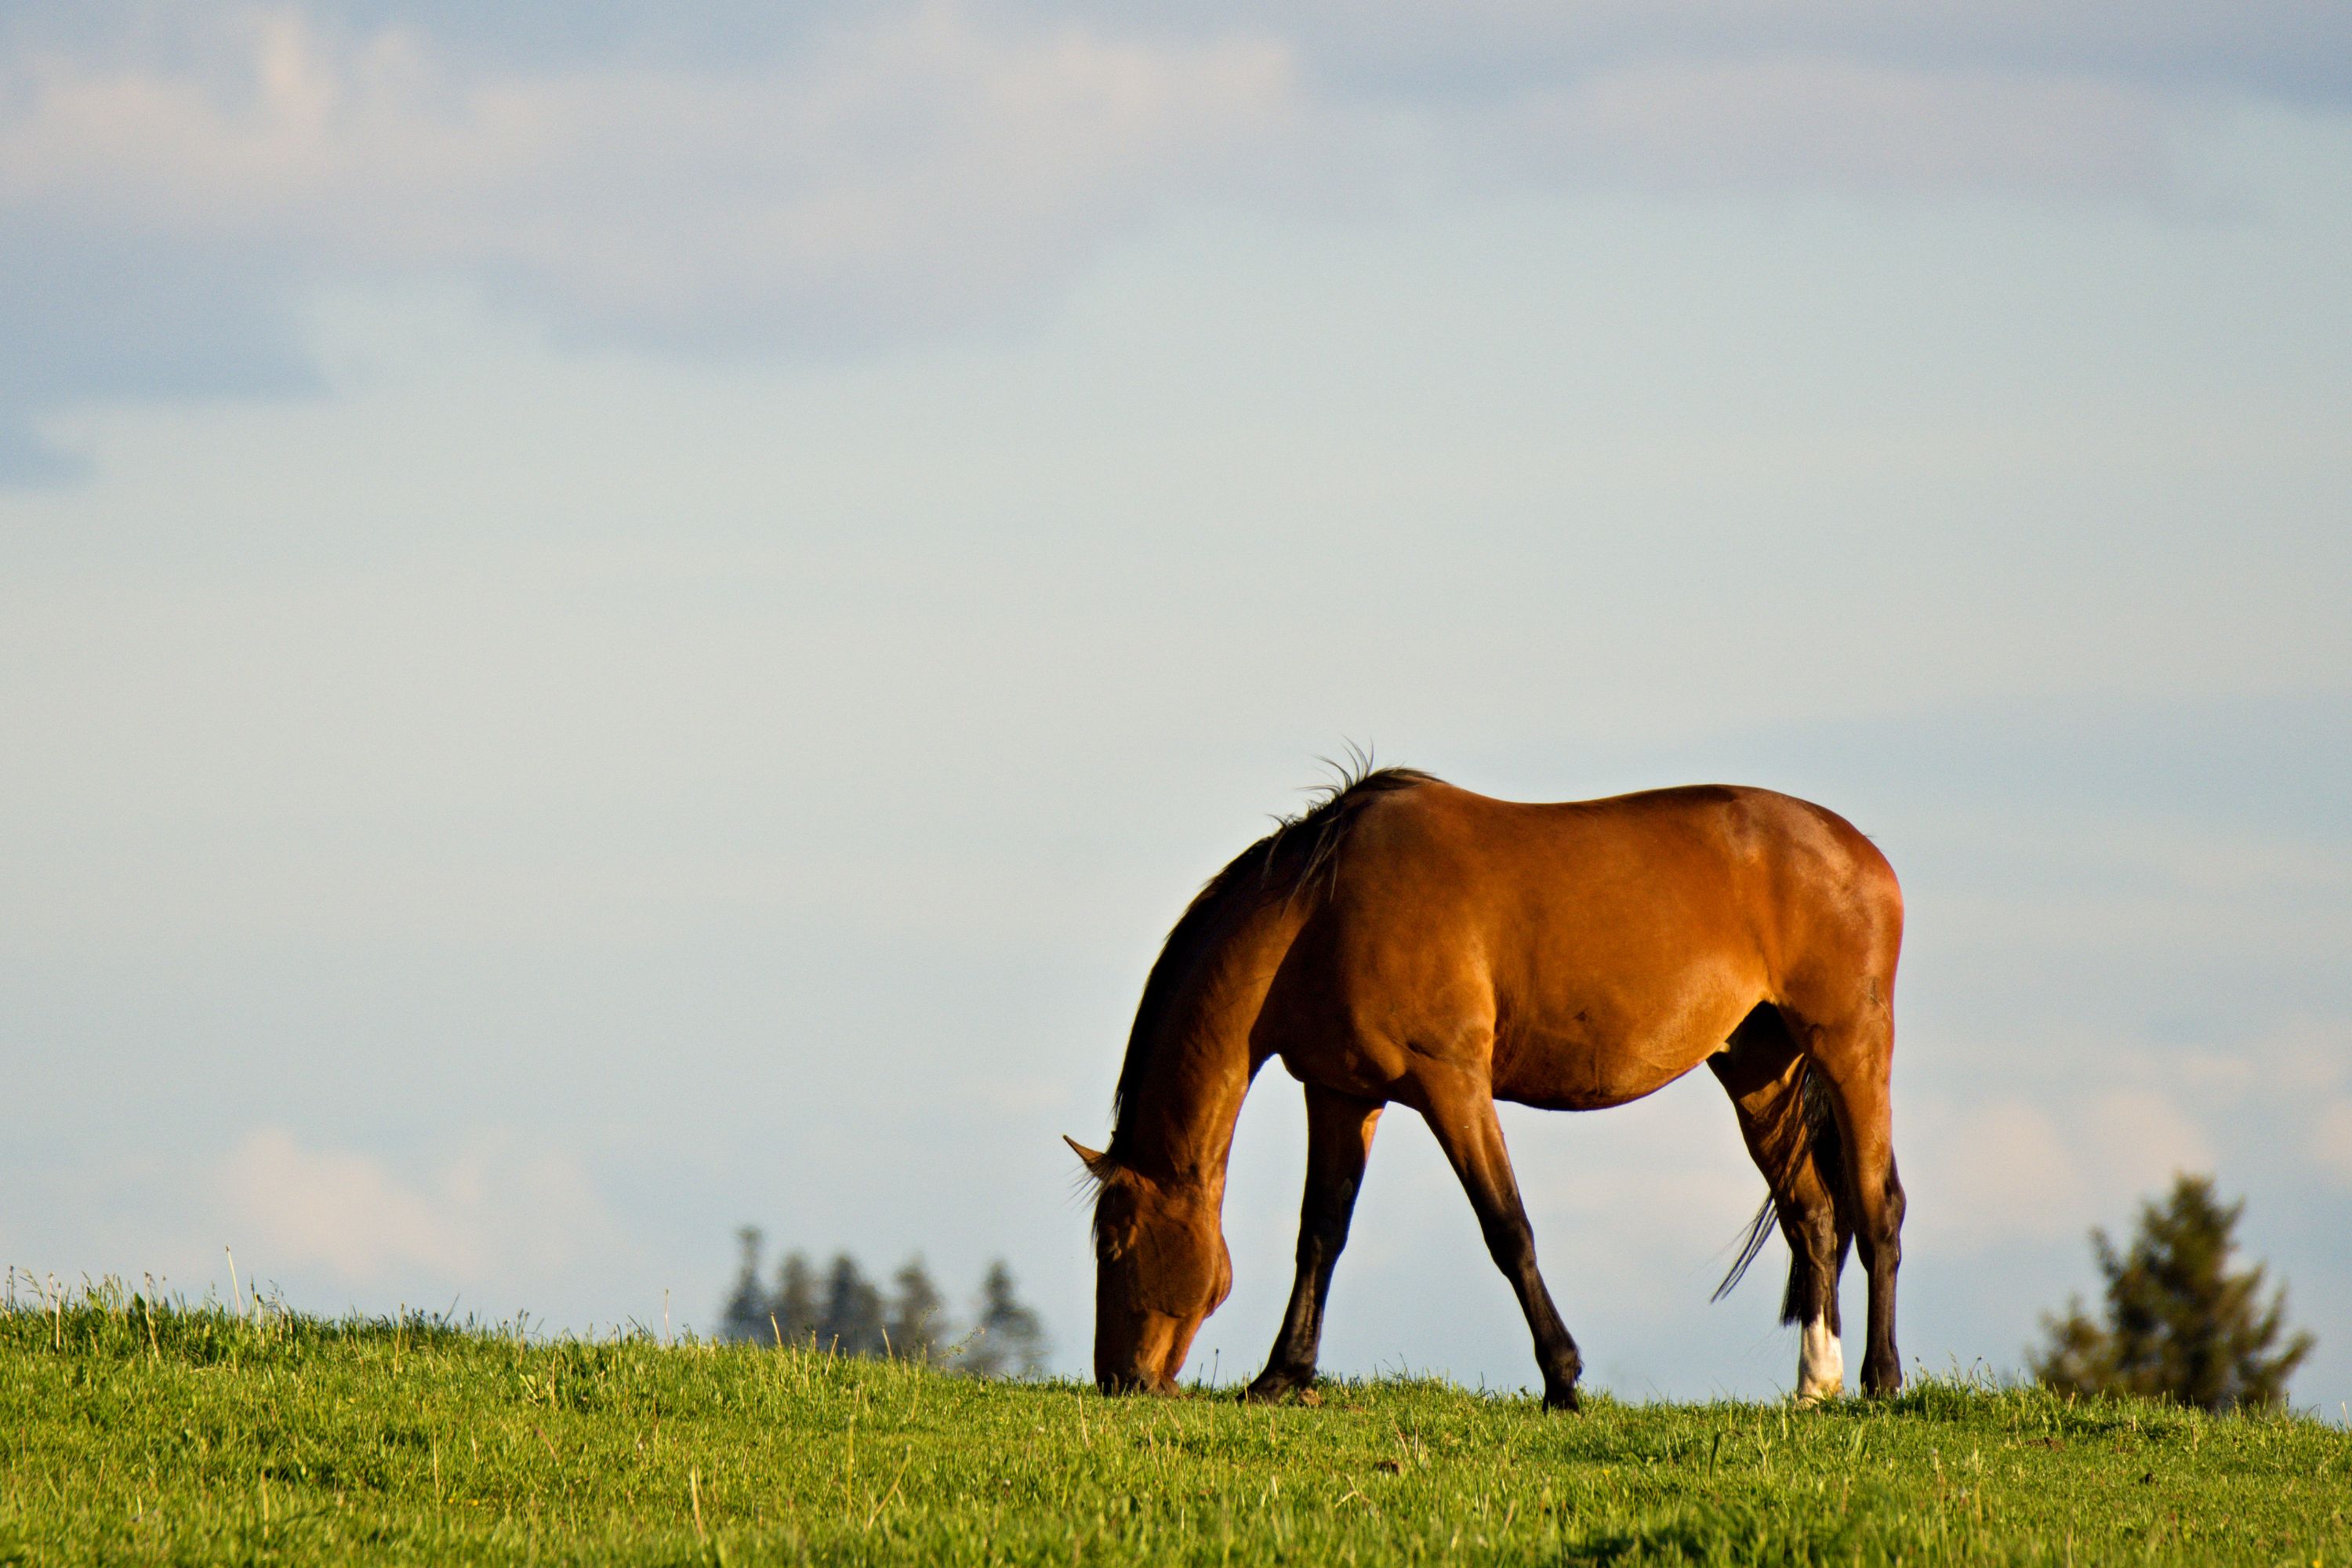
(1409, 941)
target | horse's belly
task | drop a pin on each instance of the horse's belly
(1584, 1063)
(1588, 1079)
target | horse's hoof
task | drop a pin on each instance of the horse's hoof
(1563, 1398)
(1271, 1387)
(1116, 1387)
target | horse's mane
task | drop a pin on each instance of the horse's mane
(1303, 849)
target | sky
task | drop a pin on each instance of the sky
(612, 626)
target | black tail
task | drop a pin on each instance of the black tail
(1750, 1244)
(1825, 1145)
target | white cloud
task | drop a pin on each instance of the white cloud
(1983, 1174)
(911, 167)
(1844, 122)
(488, 1211)
(1977, 1175)
(2331, 1138)
(2296, 1081)
(2134, 1141)
(2285, 47)
(896, 171)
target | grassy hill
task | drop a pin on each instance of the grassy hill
(181, 1434)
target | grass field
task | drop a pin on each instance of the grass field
(194, 1435)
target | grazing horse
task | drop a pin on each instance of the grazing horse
(1408, 942)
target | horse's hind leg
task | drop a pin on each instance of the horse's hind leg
(1461, 1112)
(1856, 1055)
(1793, 1141)
(1339, 1141)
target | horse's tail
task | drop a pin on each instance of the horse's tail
(1751, 1242)
(1822, 1143)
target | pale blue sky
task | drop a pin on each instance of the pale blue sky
(610, 631)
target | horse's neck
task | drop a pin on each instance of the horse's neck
(1179, 1126)
(1183, 1132)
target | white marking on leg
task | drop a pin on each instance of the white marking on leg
(1821, 1365)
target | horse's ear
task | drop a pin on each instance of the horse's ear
(1098, 1165)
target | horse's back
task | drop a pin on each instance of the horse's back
(1685, 847)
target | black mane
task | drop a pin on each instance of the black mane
(1302, 850)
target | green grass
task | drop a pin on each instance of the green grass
(191, 1434)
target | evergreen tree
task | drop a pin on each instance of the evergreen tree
(1008, 1340)
(745, 1316)
(852, 1323)
(793, 1306)
(918, 1314)
(2179, 1325)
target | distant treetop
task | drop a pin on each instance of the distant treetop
(843, 1313)
(2179, 1324)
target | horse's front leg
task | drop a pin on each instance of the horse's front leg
(1461, 1112)
(1339, 1141)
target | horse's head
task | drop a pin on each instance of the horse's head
(1160, 1267)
